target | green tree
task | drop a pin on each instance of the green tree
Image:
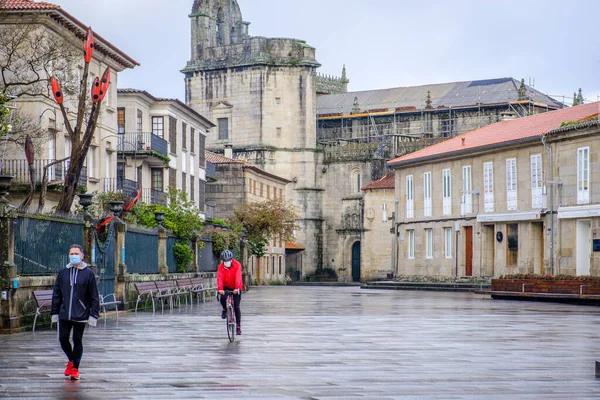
(182, 217)
(264, 221)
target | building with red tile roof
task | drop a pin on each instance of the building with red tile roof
(479, 204)
(499, 135)
(19, 8)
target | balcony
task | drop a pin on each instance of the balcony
(142, 144)
(56, 173)
(126, 186)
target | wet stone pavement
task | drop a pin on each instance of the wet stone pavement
(323, 343)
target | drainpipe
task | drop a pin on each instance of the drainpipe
(549, 149)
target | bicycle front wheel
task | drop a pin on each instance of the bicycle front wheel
(230, 324)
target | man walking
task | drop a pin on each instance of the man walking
(75, 303)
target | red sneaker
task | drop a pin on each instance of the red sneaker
(69, 368)
(74, 374)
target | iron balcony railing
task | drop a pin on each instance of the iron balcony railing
(126, 186)
(56, 173)
(142, 143)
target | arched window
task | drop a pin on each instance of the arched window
(355, 184)
(220, 26)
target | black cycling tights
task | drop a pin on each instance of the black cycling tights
(64, 331)
(237, 298)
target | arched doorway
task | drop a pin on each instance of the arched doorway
(356, 262)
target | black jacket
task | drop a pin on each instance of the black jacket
(75, 296)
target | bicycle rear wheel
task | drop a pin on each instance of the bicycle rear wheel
(230, 324)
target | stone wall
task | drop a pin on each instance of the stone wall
(227, 193)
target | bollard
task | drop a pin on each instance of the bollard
(597, 369)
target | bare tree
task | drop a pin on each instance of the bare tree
(31, 56)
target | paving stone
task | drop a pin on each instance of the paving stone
(323, 343)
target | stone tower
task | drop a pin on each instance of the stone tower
(261, 94)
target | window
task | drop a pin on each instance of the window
(223, 124)
(427, 194)
(511, 184)
(274, 193)
(429, 242)
(583, 175)
(157, 179)
(120, 174)
(184, 182)
(280, 265)
(356, 180)
(192, 190)
(488, 187)
(172, 177)
(512, 244)
(184, 135)
(448, 237)
(158, 126)
(269, 192)
(278, 100)
(261, 190)
(411, 244)
(120, 120)
(173, 135)
(278, 130)
(140, 118)
(192, 140)
(281, 193)
(90, 162)
(446, 192)
(201, 152)
(410, 197)
(466, 204)
(536, 181)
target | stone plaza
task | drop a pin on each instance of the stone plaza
(323, 343)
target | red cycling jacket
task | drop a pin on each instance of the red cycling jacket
(230, 278)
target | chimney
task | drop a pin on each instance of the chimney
(229, 151)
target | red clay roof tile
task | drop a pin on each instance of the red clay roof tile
(387, 182)
(501, 132)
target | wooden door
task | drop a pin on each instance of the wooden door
(356, 262)
(468, 250)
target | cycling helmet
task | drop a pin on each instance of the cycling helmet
(226, 255)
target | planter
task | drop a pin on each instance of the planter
(568, 287)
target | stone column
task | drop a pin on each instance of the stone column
(163, 269)
(120, 271)
(8, 269)
(194, 244)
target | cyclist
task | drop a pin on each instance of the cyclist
(229, 277)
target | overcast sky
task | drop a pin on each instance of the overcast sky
(384, 43)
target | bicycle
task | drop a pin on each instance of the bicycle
(230, 318)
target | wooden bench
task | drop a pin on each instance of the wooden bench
(145, 290)
(198, 287)
(43, 303)
(184, 287)
(165, 290)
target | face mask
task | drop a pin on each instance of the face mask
(227, 264)
(75, 259)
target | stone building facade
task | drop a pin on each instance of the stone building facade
(237, 183)
(262, 94)
(160, 144)
(576, 161)
(476, 205)
(53, 22)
